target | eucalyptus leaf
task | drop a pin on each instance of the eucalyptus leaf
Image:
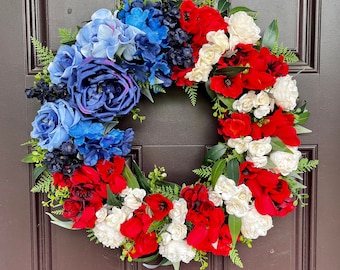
(217, 170)
(271, 35)
(233, 171)
(146, 92)
(303, 117)
(215, 152)
(235, 224)
(60, 223)
(301, 130)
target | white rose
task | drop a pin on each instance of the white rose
(166, 238)
(226, 187)
(254, 224)
(238, 205)
(259, 162)
(177, 251)
(262, 99)
(286, 162)
(210, 54)
(216, 198)
(115, 218)
(242, 29)
(240, 144)
(199, 73)
(179, 212)
(259, 148)
(178, 231)
(219, 38)
(285, 92)
(133, 197)
(101, 214)
(261, 111)
(245, 103)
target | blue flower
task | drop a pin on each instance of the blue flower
(86, 130)
(53, 122)
(102, 90)
(66, 59)
(146, 49)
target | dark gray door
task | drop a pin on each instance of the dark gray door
(175, 135)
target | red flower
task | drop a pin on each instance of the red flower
(158, 206)
(61, 180)
(178, 76)
(235, 126)
(111, 173)
(132, 227)
(195, 196)
(228, 87)
(275, 64)
(224, 242)
(145, 244)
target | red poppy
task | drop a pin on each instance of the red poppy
(158, 206)
(61, 180)
(227, 86)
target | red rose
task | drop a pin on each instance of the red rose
(235, 126)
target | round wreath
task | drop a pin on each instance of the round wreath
(99, 74)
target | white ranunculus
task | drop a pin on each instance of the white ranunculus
(259, 162)
(285, 92)
(242, 29)
(238, 205)
(254, 224)
(240, 144)
(210, 54)
(259, 148)
(261, 111)
(177, 251)
(133, 198)
(115, 218)
(219, 38)
(178, 231)
(101, 214)
(262, 99)
(179, 212)
(226, 187)
(166, 238)
(245, 103)
(216, 198)
(286, 162)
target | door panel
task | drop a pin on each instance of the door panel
(175, 135)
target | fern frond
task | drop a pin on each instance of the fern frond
(57, 212)
(44, 54)
(203, 172)
(306, 165)
(172, 193)
(44, 184)
(289, 56)
(91, 236)
(235, 258)
(67, 36)
(192, 93)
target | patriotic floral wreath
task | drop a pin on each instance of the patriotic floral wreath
(99, 74)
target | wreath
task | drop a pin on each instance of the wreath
(99, 74)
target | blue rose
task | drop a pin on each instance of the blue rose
(102, 90)
(66, 59)
(53, 122)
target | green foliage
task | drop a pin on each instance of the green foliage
(147, 89)
(135, 115)
(44, 184)
(168, 190)
(271, 35)
(289, 56)
(246, 241)
(192, 93)
(219, 109)
(67, 36)
(306, 165)
(235, 258)
(203, 172)
(44, 54)
(91, 236)
(57, 212)
(202, 258)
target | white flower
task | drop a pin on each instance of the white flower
(166, 238)
(179, 212)
(261, 111)
(178, 231)
(133, 198)
(210, 54)
(259, 162)
(254, 224)
(242, 29)
(246, 102)
(259, 148)
(177, 251)
(286, 162)
(285, 92)
(115, 218)
(262, 99)
(226, 187)
(199, 73)
(238, 205)
(240, 144)
(215, 197)
(219, 38)
(101, 214)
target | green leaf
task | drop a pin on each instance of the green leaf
(230, 71)
(302, 117)
(192, 93)
(164, 262)
(240, 8)
(226, 101)
(223, 6)
(217, 170)
(111, 197)
(215, 152)
(29, 158)
(301, 130)
(37, 171)
(271, 35)
(278, 145)
(146, 92)
(211, 93)
(233, 171)
(147, 259)
(109, 126)
(142, 180)
(63, 224)
(130, 177)
(235, 224)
